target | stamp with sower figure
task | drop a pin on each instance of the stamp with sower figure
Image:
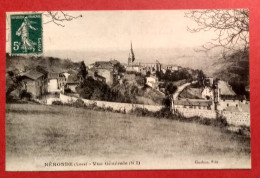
(26, 33)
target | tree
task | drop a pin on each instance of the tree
(159, 75)
(167, 102)
(58, 17)
(231, 27)
(13, 82)
(82, 70)
(120, 68)
(232, 31)
(148, 73)
(201, 78)
(170, 89)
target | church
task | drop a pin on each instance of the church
(143, 68)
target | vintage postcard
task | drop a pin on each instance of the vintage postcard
(127, 90)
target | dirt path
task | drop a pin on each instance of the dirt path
(181, 88)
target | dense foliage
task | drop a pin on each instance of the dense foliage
(170, 76)
(97, 90)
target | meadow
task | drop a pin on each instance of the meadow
(36, 134)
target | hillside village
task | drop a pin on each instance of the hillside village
(186, 91)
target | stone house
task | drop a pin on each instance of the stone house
(72, 82)
(207, 93)
(56, 81)
(104, 71)
(53, 82)
(172, 68)
(35, 82)
(227, 98)
(152, 82)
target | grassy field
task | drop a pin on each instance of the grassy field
(36, 134)
(192, 93)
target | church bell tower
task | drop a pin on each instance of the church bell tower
(131, 57)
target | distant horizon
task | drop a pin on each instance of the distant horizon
(185, 57)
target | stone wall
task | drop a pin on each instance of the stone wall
(191, 112)
(233, 118)
(223, 104)
(237, 118)
(127, 107)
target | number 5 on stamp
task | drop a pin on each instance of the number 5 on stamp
(26, 33)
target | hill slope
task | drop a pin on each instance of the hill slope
(50, 64)
(73, 134)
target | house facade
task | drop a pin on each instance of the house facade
(171, 68)
(35, 82)
(56, 81)
(104, 71)
(207, 93)
(72, 83)
(152, 82)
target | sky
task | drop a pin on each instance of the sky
(116, 29)
(101, 31)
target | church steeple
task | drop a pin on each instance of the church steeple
(131, 57)
(132, 53)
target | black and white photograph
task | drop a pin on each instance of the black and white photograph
(127, 90)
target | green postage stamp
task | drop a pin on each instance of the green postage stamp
(26, 33)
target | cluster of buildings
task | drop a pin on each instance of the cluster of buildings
(39, 82)
(220, 97)
(105, 71)
(144, 68)
(148, 68)
(36, 82)
(227, 99)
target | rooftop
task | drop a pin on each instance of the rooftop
(103, 64)
(225, 88)
(72, 79)
(33, 74)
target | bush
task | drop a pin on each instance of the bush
(92, 106)
(221, 121)
(165, 112)
(205, 121)
(244, 130)
(9, 99)
(162, 113)
(67, 90)
(57, 102)
(26, 95)
(141, 112)
(109, 109)
(79, 103)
